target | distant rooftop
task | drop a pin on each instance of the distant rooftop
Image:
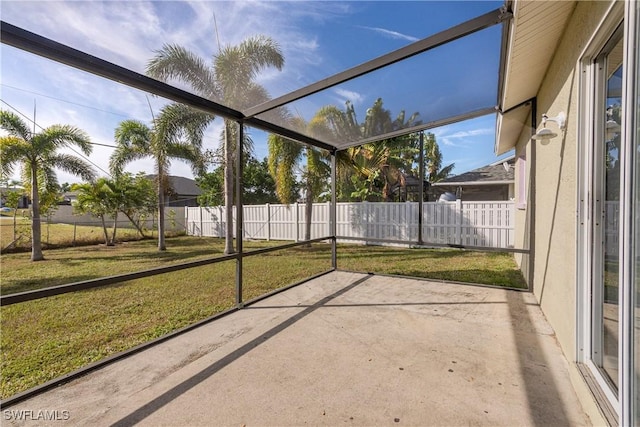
(182, 185)
(495, 173)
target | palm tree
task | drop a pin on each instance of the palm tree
(38, 155)
(433, 160)
(229, 80)
(284, 155)
(382, 163)
(176, 134)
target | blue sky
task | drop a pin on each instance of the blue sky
(318, 39)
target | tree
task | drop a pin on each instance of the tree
(137, 198)
(258, 187)
(12, 200)
(95, 198)
(176, 134)
(380, 165)
(212, 186)
(38, 155)
(433, 160)
(284, 156)
(229, 80)
(258, 184)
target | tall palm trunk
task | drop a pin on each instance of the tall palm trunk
(308, 210)
(15, 230)
(36, 229)
(161, 243)
(112, 242)
(104, 230)
(228, 191)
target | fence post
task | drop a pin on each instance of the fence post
(268, 222)
(459, 221)
(297, 224)
(220, 230)
(201, 222)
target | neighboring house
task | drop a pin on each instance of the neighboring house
(578, 191)
(491, 182)
(68, 198)
(24, 200)
(182, 192)
(408, 190)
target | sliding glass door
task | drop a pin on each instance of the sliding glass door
(605, 283)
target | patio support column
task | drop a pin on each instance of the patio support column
(239, 213)
(332, 212)
(532, 194)
(421, 188)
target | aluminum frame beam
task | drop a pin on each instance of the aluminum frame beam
(50, 49)
(38, 45)
(481, 22)
(424, 126)
(239, 211)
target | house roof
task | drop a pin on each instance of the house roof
(534, 34)
(492, 174)
(182, 185)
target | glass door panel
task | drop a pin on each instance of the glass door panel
(636, 225)
(606, 277)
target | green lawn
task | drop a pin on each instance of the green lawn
(57, 235)
(46, 338)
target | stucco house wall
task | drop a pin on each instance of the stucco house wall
(523, 194)
(554, 198)
(549, 222)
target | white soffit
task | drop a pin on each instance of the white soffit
(509, 126)
(536, 30)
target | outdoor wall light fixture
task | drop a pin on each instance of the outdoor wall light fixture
(611, 127)
(545, 134)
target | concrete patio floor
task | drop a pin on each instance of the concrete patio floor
(342, 349)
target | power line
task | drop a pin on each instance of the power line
(70, 148)
(64, 100)
(41, 128)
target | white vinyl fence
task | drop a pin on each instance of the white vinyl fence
(173, 218)
(485, 224)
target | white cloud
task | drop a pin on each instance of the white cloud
(458, 138)
(392, 34)
(348, 95)
(471, 133)
(127, 33)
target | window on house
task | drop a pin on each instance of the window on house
(521, 171)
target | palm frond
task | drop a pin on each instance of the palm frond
(283, 156)
(47, 179)
(241, 63)
(189, 154)
(58, 136)
(13, 150)
(122, 156)
(133, 134)
(441, 174)
(73, 165)
(176, 62)
(178, 122)
(236, 67)
(14, 125)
